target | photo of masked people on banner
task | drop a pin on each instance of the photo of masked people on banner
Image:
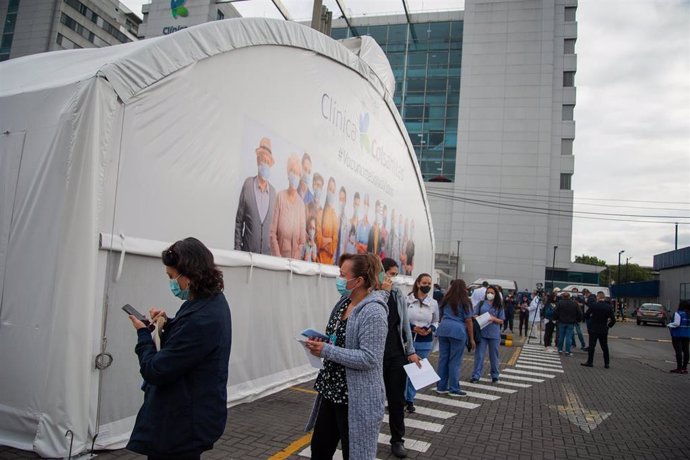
(313, 219)
(255, 209)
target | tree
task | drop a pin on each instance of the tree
(633, 273)
(590, 260)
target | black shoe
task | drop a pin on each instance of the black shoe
(494, 380)
(473, 380)
(587, 364)
(606, 366)
(410, 407)
(398, 449)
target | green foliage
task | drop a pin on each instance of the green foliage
(633, 273)
(590, 260)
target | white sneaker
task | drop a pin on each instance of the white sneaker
(441, 392)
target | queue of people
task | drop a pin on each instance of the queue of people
(373, 331)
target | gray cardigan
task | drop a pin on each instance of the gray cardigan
(365, 340)
(251, 234)
(404, 329)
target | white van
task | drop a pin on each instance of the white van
(508, 286)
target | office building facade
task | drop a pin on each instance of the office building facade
(163, 17)
(504, 208)
(37, 26)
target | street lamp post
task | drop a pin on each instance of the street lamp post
(618, 299)
(553, 266)
(627, 279)
(457, 264)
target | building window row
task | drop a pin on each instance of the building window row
(568, 79)
(568, 112)
(66, 43)
(569, 46)
(99, 21)
(569, 13)
(565, 181)
(83, 31)
(8, 29)
(567, 146)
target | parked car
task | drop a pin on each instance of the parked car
(652, 313)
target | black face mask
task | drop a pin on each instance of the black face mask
(425, 289)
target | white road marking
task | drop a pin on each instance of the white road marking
(585, 419)
(434, 412)
(539, 368)
(533, 374)
(510, 384)
(518, 377)
(420, 424)
(448, 401)
(410, 444)
(487, 387)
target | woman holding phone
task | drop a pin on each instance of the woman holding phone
(351, 397)
(185, 396)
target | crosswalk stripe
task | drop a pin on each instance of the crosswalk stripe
(540, 359)
(553, 359)
(534, 374)
(420, 424)
(487, 387)
(533, 347)
(539, 363)
(522, 378)
(539, 355)
(472, 394)
(410, 444)
(510, 384)
(539, 368)
(434, 412)
(447, 401)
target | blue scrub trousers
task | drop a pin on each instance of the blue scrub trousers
(450, 353)
(492, 345)
(565, 336)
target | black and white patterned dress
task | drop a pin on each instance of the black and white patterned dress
(332, 381)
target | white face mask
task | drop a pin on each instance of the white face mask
(312, 232)
(490, 297)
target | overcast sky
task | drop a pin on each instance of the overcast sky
(632, 147)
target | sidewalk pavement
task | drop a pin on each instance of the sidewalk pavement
(545, 406)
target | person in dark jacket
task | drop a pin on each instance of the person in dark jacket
(185, 382)
(567, 314)
(602, 318)
(399, 351)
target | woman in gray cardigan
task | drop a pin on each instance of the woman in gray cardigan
(350, 405)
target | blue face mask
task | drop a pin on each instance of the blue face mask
(177, 290)
(264, 171)
(293, 179)
(341, 285)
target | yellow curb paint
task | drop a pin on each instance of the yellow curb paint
(292, 448)
(303, 390)
(514, 358)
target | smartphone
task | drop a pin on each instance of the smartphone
(130, 310)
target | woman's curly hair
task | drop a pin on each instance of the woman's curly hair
(192, 259)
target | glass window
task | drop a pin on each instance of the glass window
(340, 33)
(438, 31)
(219, 15)
(6, 42)
(568, 112)
(436, 84)
(415, 85)
(567, 146)
(438, 59)
(436, 111)
(569, 46)
(568, 79)
(565, 181)
(449, 168)
(569, 15)
(416, 59)
(378, 33)
(397, 33)
(13, 6)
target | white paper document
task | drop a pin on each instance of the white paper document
(421, 377)
(484, 320)
(315, 361)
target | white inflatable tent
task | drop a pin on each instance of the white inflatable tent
(109, 155)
